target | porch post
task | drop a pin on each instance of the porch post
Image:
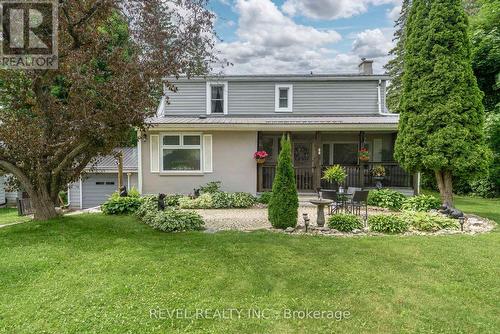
(316, 155)
(260, 185)
(362, 141)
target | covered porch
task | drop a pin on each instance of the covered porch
(313, 152)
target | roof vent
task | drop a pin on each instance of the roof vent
(366, 67)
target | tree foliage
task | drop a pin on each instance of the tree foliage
(442, 115)
(394, 67)
(284, 204)
(113, 58)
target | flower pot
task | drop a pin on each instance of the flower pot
(261, 161)
(364, 159)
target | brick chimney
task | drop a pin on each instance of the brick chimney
(366, 67)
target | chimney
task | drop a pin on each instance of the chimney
(366, 67)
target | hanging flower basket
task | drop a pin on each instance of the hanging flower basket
(261, 156)
(364, 155)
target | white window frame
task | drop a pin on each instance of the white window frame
(181, 146)
(277, 98)
(209, 96)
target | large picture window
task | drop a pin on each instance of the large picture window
(340, 153)
(181, 153)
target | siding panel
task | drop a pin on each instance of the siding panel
(257, 98)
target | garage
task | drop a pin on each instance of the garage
(100, 180)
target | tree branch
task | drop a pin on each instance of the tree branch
(25, 182)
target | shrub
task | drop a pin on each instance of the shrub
(284, 204)
(117, 205)
(149, 204)
(211, 187)
(176, 221)
(484, 187)
(388, 224)
(265, 198)
(429, 222)
(203, 202)
(345, 222)
(173, 199)
(386, 198)
(335, 174)
(421, 203)
(133, 192)
(221, 200)
(242, 200)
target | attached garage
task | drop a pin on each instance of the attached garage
(101, 180)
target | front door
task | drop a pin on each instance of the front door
(303, 163)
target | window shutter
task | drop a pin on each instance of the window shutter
(154, 146)
(207, 154)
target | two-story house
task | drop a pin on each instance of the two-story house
(211, 127)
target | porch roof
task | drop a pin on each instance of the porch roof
(382, 122)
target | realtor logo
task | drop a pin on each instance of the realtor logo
(29, 34)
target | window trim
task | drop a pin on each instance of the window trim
(182, 147)
(278, 87)
(209, 96)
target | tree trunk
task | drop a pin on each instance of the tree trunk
(444, 181)
(44, 207)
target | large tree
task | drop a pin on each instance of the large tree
(113, 58)
(442, 117)
(394, 67)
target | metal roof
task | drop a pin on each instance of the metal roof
(109, 163)
(389, 121)
(284, 77)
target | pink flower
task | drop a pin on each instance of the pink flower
(261, 155)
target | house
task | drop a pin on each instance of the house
(211, 127)
(100, 180)
(3, 199)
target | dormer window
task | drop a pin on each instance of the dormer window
(217, 98)
(284, 98)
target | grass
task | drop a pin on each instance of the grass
(98, 274)
(10, 216)
(484, 207)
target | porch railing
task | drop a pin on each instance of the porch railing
(357, 176)
(304, 176)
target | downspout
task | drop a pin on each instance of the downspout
(379, 89)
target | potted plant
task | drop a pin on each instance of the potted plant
(334, 175)
(364, 155)
(378, 173)
(261, 156)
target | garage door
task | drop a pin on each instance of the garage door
(97, 188)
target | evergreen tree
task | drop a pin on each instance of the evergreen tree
(284, 204)
(394, 67)
(442, 117)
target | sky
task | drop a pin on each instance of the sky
(303, 36)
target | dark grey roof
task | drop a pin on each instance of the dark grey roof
(269, 120)
(109, 163)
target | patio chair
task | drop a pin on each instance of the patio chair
(352, 190)
(359, 201)
(336, 205)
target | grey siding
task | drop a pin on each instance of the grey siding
(2, 190)
(356, 97)
(189, 99)
(74, 195)
(233, 165)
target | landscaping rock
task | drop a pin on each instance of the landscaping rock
(290, 230)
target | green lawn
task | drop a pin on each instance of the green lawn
(9, 216)
(97, 274)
